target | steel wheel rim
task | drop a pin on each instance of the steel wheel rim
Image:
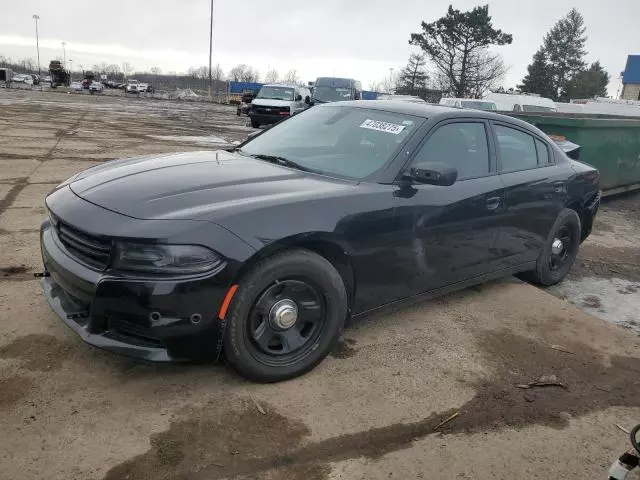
(557, 260)
(276, 338)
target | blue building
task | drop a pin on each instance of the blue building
(631, 79)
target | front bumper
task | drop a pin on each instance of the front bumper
(266, 119)
(150, 319)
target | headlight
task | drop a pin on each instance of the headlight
(172, 259)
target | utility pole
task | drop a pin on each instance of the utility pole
(210, 46)
(36, 18)
(64, 54)
(71, 70)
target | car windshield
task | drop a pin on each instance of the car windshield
(536, 108)
(276, 93)
(336, 140)
(478, 105)
(332, 94)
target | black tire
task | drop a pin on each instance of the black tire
(552, 268)
(255, 124)
(293, 267)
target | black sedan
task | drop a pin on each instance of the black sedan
(264, 251)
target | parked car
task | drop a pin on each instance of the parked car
(22, 78)
(469, 103)
(520, 102)
(332, 89)
(96, 87)
(77, 86)
(276, 102)
(268, 248)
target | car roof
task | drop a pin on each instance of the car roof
(288, 85)
(430, 110)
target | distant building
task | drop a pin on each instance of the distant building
(631, 79)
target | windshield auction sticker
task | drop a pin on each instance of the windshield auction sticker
(382, 126)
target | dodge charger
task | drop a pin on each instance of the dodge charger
(264, 251)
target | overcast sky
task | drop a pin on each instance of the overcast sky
(362, 39)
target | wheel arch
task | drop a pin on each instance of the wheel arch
(323, 244)
(583, 215)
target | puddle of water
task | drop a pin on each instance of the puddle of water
(613, 300)
(210, 140)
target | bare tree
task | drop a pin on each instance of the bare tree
(127, 69)
(217, 73)
(272, 76)
(243, 73)
(388, 84)
(292, 77)
(156, 70)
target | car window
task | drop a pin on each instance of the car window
(345, 141)
(517, 149)
(516, 108)
(543, 153)
(460, 145)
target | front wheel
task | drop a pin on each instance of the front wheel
(286, 317)
(560, 250)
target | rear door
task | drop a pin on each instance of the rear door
(449, 234)
(535, 191)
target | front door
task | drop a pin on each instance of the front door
(449, 234)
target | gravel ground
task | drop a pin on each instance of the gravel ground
(373, 410)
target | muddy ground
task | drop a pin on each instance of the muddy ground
(377, 408)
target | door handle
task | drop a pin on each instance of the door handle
(493, 203)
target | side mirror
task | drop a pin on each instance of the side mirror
(307, 100)
(432, 173)
(298, 98)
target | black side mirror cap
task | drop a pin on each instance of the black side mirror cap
(307, 100)
(432, 173)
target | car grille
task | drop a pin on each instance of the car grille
(270, 110)
(129, 332)
(89, 249)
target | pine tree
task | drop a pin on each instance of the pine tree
(458, 47)
(589, 83)
(539, 79)
(413, 78)
(564, 48)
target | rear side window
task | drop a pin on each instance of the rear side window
(460, 145)
(543, 153)
(517, 149)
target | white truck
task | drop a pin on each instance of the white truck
(513, 102)
(134, 86)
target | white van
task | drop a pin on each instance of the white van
(468, 103)
(277, 102)
(508, 102)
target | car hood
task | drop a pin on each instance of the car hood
(268, 102)
(196, 185)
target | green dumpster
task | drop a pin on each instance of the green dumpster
(611, 144)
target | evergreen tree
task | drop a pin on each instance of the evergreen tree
(564, 48)
(589, 83)
(539, 79)
(413, 78)
(457, 45)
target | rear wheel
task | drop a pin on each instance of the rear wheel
(560, 251)
(255, 124)
(286, 317)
